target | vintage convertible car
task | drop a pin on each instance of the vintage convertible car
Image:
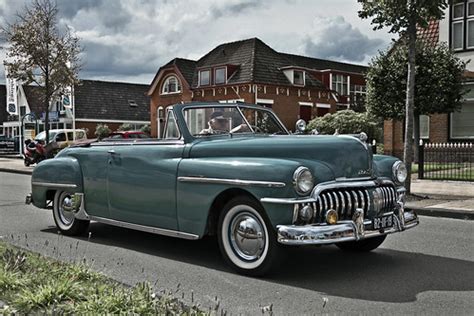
(234, 171)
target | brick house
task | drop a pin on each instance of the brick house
(111, 103)
(250, 71)
(454, 127)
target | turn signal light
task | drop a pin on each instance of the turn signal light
(331, 217)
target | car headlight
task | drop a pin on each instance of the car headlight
(399, 171)
(303, 180)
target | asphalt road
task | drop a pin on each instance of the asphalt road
(429, 269)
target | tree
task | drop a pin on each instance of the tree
(403, 17)
(438, 87)
(146, 129)
(40, 53)
(346, 122)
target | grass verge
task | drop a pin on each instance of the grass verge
(32, 284)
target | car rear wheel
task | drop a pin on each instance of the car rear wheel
(64, 216)
(247, 241)
(364, 245)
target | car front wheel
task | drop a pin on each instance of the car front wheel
(64, 217)
(246, 238)
(364, 245)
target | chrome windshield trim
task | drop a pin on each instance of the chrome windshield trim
(239, 182)
(148, 229)
(54, 185)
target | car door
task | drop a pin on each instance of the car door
(141, 182)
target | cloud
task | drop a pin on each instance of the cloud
(125, 39)
(335, 38)
(224, 8)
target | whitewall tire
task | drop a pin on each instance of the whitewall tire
(64, 217)
(246, 239)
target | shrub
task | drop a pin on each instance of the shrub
(347, 122)
(125, 127)
(102, 131)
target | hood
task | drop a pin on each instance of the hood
(344, 156)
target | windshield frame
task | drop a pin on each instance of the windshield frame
(238, 106)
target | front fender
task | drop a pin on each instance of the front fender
(62, 173)
(383, 165)
(195, 197)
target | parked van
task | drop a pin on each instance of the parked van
(63, 137)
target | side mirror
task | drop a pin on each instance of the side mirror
(300, 126)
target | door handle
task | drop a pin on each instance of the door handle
(112, 152)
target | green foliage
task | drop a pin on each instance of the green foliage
(146, 129)
(346, 122)
(102, 131)
(125, 127)
(397, 14)
(438, 87)
(44, 286)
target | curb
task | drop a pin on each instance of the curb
(441, 212)
(27, 172)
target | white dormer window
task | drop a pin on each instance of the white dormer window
(204, 77)
(296, 77)
(171, 85)
(220, 75)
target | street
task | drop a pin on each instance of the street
(429, 269)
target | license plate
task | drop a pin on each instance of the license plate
(382, 222)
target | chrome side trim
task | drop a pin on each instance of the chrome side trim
(148, 229)
(239, 182)
(54, 185)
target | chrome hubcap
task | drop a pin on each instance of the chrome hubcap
(65, 209)
(247, 236)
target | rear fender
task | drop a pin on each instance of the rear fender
(50, 175)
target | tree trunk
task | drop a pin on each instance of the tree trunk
(416, 135)
(409, 108)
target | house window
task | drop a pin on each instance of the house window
(204, 77)
(298, 77)
(424, 126)
(220, 76)
(171, 85)
(462, 25)
(462, 122)
(339, 83)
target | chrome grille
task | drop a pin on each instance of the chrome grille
(346, 200)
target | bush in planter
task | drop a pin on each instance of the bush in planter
(102, 131)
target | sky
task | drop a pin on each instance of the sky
(128, 40)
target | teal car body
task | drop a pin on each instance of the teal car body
(181, 184)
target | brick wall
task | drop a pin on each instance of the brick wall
(393, 138)
(439, 128)
(285, 99)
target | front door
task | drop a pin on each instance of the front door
(305, 113)
(141, 183)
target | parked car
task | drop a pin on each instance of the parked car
(63, 137)
(234, 171)
(128, 134)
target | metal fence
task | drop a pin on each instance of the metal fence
(446, 161)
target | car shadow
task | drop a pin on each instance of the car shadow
(383, 275)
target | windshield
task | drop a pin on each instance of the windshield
(209, 121)
(42, 136)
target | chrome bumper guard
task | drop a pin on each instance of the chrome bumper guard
(320, 234)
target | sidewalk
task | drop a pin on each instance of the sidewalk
(434, 198)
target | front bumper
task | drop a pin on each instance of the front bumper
(320, 234)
